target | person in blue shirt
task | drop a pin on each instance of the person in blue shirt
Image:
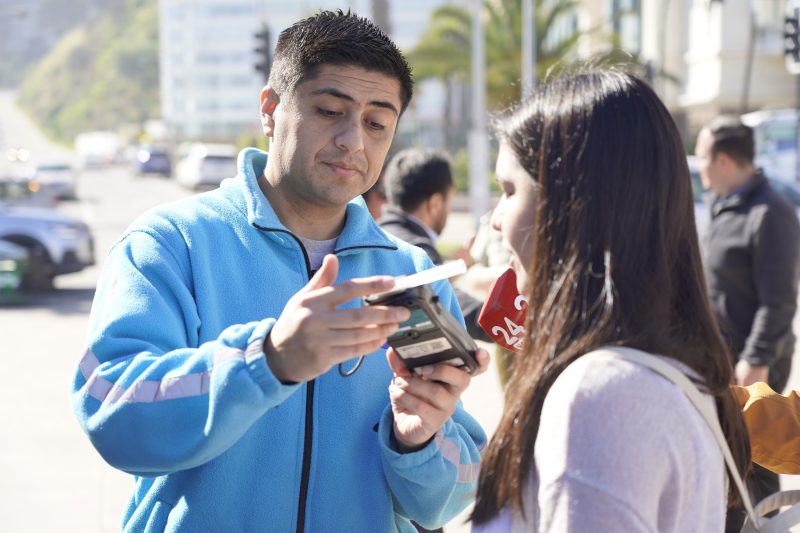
(221, 367)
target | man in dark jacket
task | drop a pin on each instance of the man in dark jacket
(419, 187)
(750, 255)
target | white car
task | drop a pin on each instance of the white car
(59, 178)
(204, 166)
(56, 243)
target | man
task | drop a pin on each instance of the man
(220, 328)
(750, 256)
(419, 188)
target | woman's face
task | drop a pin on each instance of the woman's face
(514, 215)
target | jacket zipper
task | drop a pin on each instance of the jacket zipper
(308, 440)
(307, 444)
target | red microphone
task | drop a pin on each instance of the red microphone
(503, 314)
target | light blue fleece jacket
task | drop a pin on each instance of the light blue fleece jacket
(174, 386)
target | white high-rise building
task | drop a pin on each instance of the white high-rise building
(209, 87)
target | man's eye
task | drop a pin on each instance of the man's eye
(326, 112)
(376, 125)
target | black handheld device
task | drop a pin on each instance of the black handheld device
(431, 334)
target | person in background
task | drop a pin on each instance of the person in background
(419, 188)
(597, 210)
(750, 252)
(375, 198)
(215, 367)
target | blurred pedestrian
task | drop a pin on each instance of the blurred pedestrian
(214, 370)
(750, 253)
(597, 210)
(419, 185)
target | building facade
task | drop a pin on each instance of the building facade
(706, 57)
(209, 87)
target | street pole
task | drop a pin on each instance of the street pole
(528, 48)
(478, 141)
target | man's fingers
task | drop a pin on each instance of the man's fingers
(339, 354)
(436, 394)
(396, 363)
(358, 336)
(407, 402)
(354, 288)
(483, 358)
(366, 316)
(326, 274)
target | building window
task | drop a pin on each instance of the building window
(626, 23)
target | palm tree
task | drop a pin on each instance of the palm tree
(443, 51)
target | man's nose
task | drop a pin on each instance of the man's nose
(351, 137)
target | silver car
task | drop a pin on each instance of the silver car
(56, 243)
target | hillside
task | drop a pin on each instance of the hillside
(102, 74)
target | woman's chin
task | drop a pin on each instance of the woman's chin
(521, 274)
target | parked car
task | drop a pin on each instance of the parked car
(206, 165)
(152, 160)
(24, 192)
(59, 178)
(13, 267)
(56, 243)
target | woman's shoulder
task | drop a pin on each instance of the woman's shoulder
(596, 375)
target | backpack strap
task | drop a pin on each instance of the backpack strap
(690, 390)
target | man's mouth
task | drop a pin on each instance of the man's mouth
(341, 167)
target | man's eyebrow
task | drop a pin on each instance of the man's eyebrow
(339, 94)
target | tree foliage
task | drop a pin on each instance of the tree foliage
(101, 75)
(444, 50)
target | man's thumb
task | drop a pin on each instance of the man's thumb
(326, 274)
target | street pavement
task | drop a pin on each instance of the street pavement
(52, 479)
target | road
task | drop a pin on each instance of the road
(53, 480)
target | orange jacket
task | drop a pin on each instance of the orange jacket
(773, 422)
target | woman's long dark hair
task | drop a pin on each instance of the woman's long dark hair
(615, 258)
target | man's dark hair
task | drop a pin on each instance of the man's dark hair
(414, 175)
(336, 38)
(732, 138)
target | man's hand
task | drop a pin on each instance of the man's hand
(747, 374)
(421, 404)
(312, 335)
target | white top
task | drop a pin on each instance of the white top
(317, 250)
(620, 448)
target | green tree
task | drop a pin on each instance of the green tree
(443, 51)
(80, 86)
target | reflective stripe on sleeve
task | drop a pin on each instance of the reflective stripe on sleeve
(148, 391)
(466, 473)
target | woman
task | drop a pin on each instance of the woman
(597, 209)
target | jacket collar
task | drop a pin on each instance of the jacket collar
(739, 197)
(360, 230)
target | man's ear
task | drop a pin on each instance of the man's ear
(435, 204)
(269, 101)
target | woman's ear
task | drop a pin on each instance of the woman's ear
(269, 102)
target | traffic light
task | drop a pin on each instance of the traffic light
(263, 51)
(791, 38)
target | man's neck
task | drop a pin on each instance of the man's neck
(737, 180)
(303, 219)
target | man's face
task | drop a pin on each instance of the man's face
(515, 214)
(331, 134)
(440, 220)
(711, 171)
